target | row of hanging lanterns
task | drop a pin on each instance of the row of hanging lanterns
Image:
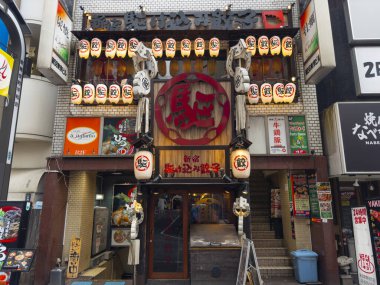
(122, 47)
(279, 93)
(101, 93)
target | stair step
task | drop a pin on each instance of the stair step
(269, 271)
(268, 243)
(260, 219)
(271, 251)
(263, 234)
(255, 226)
(274, 261)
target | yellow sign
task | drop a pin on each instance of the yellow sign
(6, 66)
(74, 254)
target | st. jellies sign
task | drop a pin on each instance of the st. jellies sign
(192, 109)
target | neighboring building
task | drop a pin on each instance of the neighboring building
(188, 195)
(348, 101)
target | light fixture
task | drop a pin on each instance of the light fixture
(371, 188)
(227, 7)
(293, 78)
(356, 183)
(142, 8)
(156, 193)
(99, 197)
(290, 6)
(244, 192)
(227, 179)
(139, 193)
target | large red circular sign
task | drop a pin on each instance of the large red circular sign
(179, 109)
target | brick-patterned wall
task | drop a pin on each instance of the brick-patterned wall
(80, 214)
(307, 104)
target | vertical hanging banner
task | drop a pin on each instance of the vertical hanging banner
(6, 66)
(373, 207)
(298, 135)
(74, 255)
(277, 135)
(313, 195)
(301, 204)
(363, 247)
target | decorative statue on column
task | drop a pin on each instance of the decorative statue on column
(241, 80)
(242, 210)
(146, 68)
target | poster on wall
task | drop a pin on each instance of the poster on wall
(313, 195)
(123, 197)
(100, 230)
(363, 247)
(6, 64)
(325, 200)
(82, 136)
(298, 140)
(19, 260)
(277, 135)
(120, 237)
(373, 207)
(118, 136)
(301, 204)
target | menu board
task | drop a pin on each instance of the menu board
(325, 200)
(100, 230)
(19, 260)
(298, 140)
(313, 195)
(373, 207)
(301, 204)
(118, 136)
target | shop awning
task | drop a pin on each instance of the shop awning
(25, 180)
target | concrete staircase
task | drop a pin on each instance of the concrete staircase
(272, 255)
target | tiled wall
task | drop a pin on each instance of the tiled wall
(306, 105)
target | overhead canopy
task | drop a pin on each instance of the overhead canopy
(25, 180)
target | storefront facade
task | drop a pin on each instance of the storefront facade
(195, 125)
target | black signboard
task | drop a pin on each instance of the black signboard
(373, 210)
(100, 230)
(19, 260)
(360, 125)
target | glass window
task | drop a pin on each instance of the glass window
(210, 208)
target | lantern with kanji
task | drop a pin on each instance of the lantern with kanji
(275, 45)
(253, 94)
(143, 165)
(110, 49)
(132, 46)
(96, 47)
(266, 93)
(241, 163)
(214, 47)
(290, 92)
(263, 44)
(127, 94)
(287, 46)
(101, 93)
(170, 48)
(88, 93)
(114, 93)
(278, 93)
(76, 94)
(199, 46)
(185, 47)
(122, 47)
(157, 48)
(84, 49)
(251, 44)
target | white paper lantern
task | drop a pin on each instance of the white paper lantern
(287, 46)
(76, 94)
(88, 93)
(84, 49)
(278, 93)
(241, 163)
(170, 48)
(253, 94)
(266, 93)
(110, 49)
(275, 45)
(96, 47)
(101, 93)
(122, 47)
(199, 46)
(157, 48)
(263, 44)
(185, 47)
(290, 92)
(114, 93)
(127, 94)
(214, 47)
(251, 44)
(132, 46)
(143, 165)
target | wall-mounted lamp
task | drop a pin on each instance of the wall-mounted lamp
(227, 7)
(290, 6)
(142, 9)
(356, 183)
(99, 197)
(371, 187)
(293, 78)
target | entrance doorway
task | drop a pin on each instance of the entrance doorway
(168, 237)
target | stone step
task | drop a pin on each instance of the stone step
(274, 261)
(260, 219)
(263, 234)
(260, 226)
(259, 243)
(271, 251)
(269, 271)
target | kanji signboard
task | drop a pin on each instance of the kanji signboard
(74, 254)
(277, 135)
(6, 66)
